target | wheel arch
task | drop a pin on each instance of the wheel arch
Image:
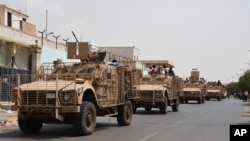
(89, 95)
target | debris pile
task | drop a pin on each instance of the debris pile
(7, 117)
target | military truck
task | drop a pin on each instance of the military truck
(215, 90)
(194, 88)
(157, 90)
(76, 93)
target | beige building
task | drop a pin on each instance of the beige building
(16, 19)
(123, 54)
(19, 41)
(20, 48)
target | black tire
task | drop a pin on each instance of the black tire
(134, 109)
(219, 98)
(85, 121)
(163, 106)
(182, 101)
(203, 100)
(175, 107)
(125, 113)
(30, 125)
(148, 109)
(186, 101)
(199, 100)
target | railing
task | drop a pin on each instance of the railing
(8, 81)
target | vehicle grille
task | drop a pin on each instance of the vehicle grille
(146, 94)
(36, 98)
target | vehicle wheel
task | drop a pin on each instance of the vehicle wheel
(85, 121)
(148, 109)
(175, 107)
(203, 100)
(125, 113)
(206, 98)
(163, 106)
(30, 125)
(199, 100)
(182, 100)
(219, 98)
(134, 109)
(186, 101)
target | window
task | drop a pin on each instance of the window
(9, 19)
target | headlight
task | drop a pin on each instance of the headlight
(66, 97)
(157, 94)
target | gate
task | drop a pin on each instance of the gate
(8, 80)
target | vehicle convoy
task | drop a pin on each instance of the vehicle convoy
(215, 90)
(194, 88)
(75, 93)
(157, 89)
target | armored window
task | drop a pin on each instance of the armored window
(145, 79)
(159, 79)
(65, 70)
(86, 70)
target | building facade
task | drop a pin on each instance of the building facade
(122, 54)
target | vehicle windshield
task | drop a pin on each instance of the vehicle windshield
(159, 79)
(86, 70)
(145, 79)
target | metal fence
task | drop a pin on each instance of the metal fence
(8, 80)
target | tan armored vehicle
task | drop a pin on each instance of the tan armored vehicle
(215, 90)
(194, 88)
(76, 93)
(157, 89)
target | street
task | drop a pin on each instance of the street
(193, 122)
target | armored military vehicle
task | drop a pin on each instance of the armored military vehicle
(194, 88)
(215, 90)
(157, 89)
(76, 93)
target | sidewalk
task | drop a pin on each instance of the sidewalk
(246, 114)
(7, 117)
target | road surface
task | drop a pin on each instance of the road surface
(194, 122)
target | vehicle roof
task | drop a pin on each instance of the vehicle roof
(167, 63)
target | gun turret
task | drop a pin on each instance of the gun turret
(84, 51)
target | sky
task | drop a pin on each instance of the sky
(210, 35)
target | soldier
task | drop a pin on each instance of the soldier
(171, 72)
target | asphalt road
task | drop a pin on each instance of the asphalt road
(194, 122)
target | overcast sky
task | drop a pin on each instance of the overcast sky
(211, 35)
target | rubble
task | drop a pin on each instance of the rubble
(7, 117)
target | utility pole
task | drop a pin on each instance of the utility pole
(42, 32)
(56, 39)
(46, 23)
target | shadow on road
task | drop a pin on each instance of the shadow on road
(52, 131)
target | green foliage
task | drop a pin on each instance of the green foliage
(232, 88)
(244, 81)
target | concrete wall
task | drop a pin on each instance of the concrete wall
(28, 28)
(21, 54)
(2, 14)
(131, 53)
(14, 35)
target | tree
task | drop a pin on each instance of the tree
(244, 81)
(232, 88)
